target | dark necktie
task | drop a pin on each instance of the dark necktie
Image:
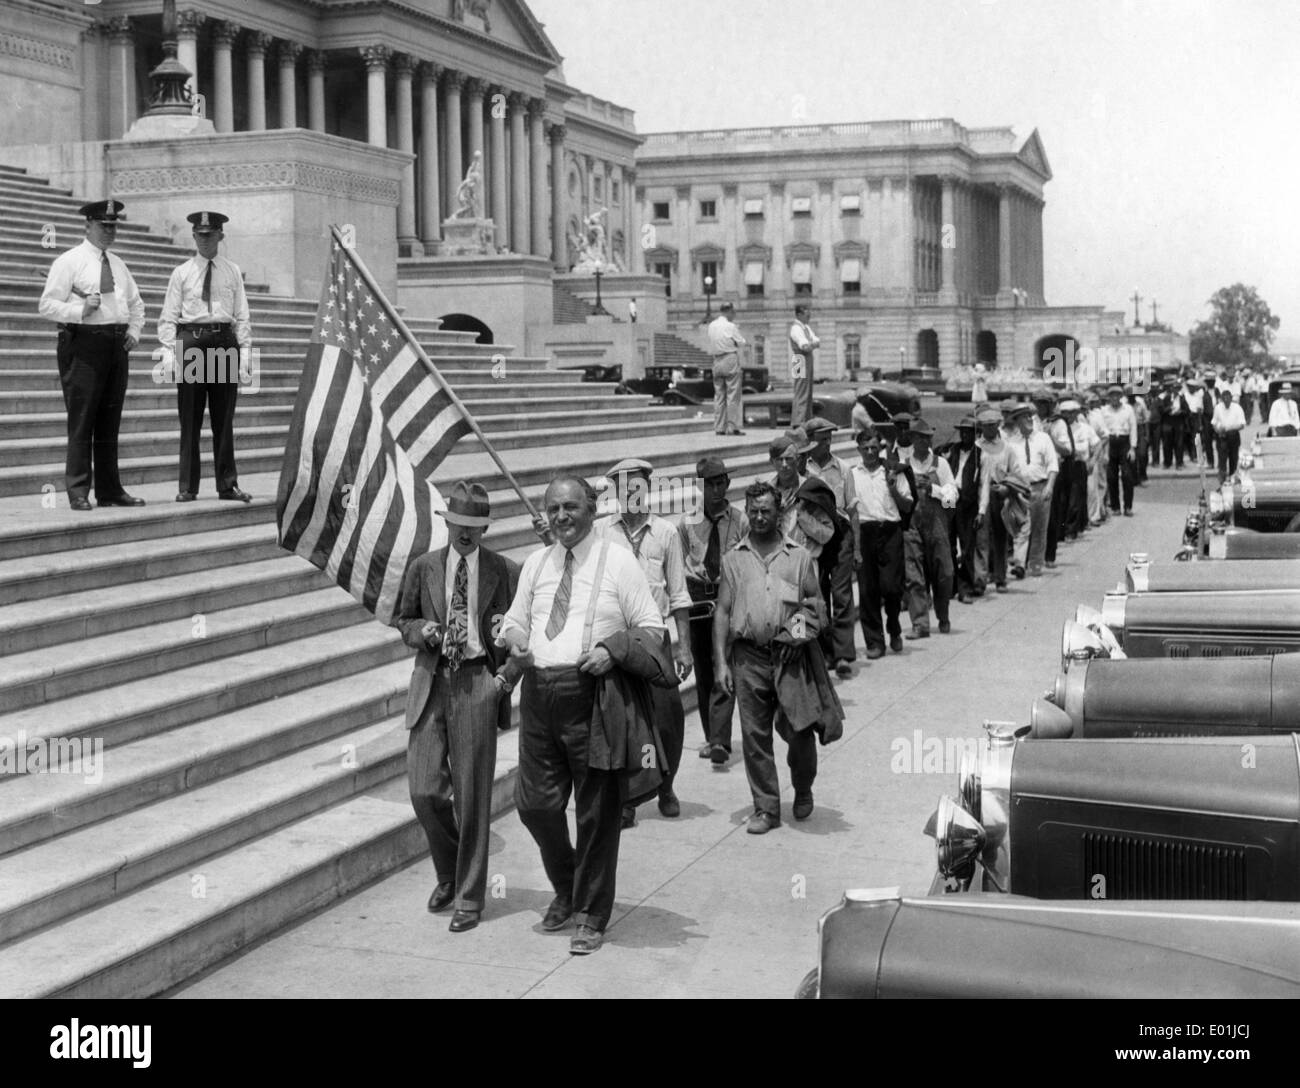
(713, 554)
(207, 296)
(1069, 429)
(560, 606)
(106, 285)
(1027, 453)
(457, 637)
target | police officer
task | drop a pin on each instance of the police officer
(94, 299)
(204, 323)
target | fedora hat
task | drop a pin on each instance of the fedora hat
(467, 505)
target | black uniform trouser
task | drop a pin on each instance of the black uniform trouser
(880, 581)
(1171, 439)
(204, 357)
(93, 368)
(554, 734)
(715, 706)
(998, 541)
(1119, 471)
(1191, 429)
(1229, 445)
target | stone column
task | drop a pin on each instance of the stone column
(188, 23)
(1004, 242)
(947, 218)
(559, 252)
(257, 45)
(289, 52)
(408, 245)
(121, 76)
(316, 90)
(92, 95)
(537, 182)
(223, 109)
(451, 88)
(430, 161)
(376, 58)
(500, 209)
(519, 228)
(632, 212)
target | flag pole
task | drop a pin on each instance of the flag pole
(539, 524)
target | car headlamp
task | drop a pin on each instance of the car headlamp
(958, 838)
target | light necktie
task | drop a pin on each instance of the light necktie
(106, 285)
(207, 298)
(457, 637)
(560, 606)
(713, 554)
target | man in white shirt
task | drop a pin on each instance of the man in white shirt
(1194, 395)
(992, 539)
(204, 324)
(1121, 425)
(654, 542)
(631, 310)
(803, 344)
(572, 597)
(879, 497)
(1098, 510)
(1228, 423)
(927, 548)
(979, 387)
(1283, 417)
(725, 343)
(1034, 457)
(1076, 444)
(92, 296)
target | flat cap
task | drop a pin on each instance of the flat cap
(103, 211)
(630, 465)
(966, 423)
(1018, 409)
(794, 439)
(988, 415)
(902, 419)
(922, 427)
(818, 425)
(709, 468)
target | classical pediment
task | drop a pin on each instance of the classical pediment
(708, 252)
(1033, 155)
(754, 252)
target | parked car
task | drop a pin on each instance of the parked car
(879, 944)
(673, 385)
(880, 399)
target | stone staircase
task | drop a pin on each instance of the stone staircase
(248, 712)
(672, 350)
(568, 308)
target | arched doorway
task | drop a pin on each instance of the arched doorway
(927, 349)
(1055, 357)
(467, 323)
(986, 348)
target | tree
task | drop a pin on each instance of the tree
(1239, 329)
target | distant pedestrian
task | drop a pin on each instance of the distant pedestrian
(725, 343)
(837, 579)
(803, 346)
(1121, 427)
(927, 548)
(979, 387)
(631, 310)
(1228, 422)
(963, 458)
(1034, 460)
(1283, 417)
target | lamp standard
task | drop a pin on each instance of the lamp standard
(599, 308)
(902, 361)
(708, 298)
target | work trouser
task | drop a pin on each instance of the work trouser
(927, 565)
(715, 705)
(1171, 440)
(753, 670)
(728, 414)
(801, 372)
(965, 552)
(554, 735)
(996, 540)
(1096, 489)
(93, 367)
(1119, 473)
(1190, 433)
(836, 584)
(1248, 406)
(1040, 512)
(1143, 452)
(1229, 444)
(880, 581)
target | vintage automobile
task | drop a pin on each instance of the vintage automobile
(1196, 624)
(673, 385)
(1143, 576)
(1123, 818)
(1246, 544)
(1275, 389)
(880, 944)
(1159, 697)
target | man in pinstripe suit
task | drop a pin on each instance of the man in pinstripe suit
(452, 604)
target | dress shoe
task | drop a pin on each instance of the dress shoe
(875, 653)
(669, 807)
(945, 628)
(1035, 572)
(442, 897)
(1017, 572)
(585, 941)
(1001, 587)
(1050, 564)
(761, 823)
(733, 431)
(803, 805)
(896, 644)
(463, 920)
(844, 669)
(917, 632)
(558, 914)
(77, 503)
(233, 494)
(706, 750)
(1128, 513)
(629, 817)
(185, 496)
(719, 755)
(122, 500)
(964, 598)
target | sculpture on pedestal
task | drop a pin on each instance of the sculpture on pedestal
(592, 255)
(465, 232)
(469, 194)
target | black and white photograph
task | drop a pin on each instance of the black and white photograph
(690, 499)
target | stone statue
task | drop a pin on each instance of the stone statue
(592, 255)
(469, 193)
(477, 8)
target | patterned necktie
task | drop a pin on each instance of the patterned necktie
(106, 286)
(1028, 455)
(207, 296)
(713, 554)
(457, 637)
(560, 606)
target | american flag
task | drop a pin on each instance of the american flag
(370, 425)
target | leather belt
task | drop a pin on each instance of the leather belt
(469, 662)
(205, 329)
(97, 330)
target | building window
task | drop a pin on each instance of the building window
(754, 279)
(614, 191)
(573, 183)
(708, 209)
(660, 211)
(754, 208)
(801, 207)
(760, 351)
(801, 277)
(709, 272)
(851, 204)
(852, 352)
(851, 276)
(664, 269)
(598, 188)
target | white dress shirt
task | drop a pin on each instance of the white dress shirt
(1121, 421)
(76, 274)
(623, 600)
(658, 549)
(473, 642)
(724, 336)
(1033, 457)
(868, 493)
(1228, 417)
(183, 303)
(1283, 411)
(802, 338)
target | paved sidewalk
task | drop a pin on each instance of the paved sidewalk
(705, 910)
